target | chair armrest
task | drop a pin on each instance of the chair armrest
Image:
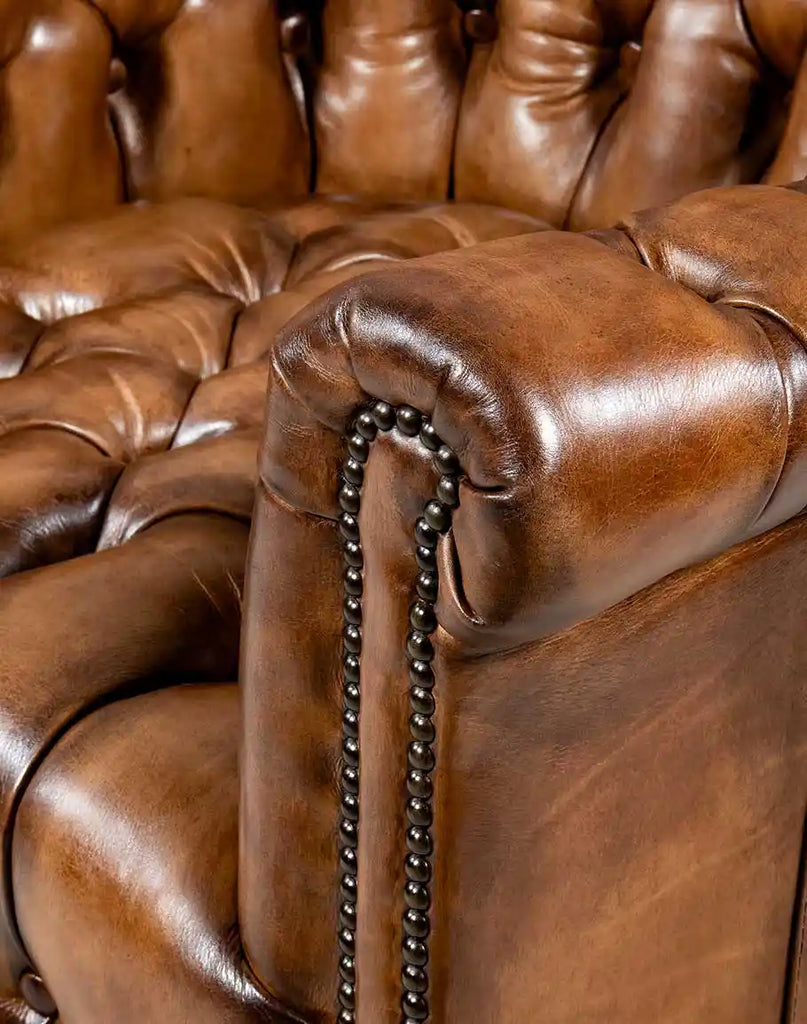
(612, 426)
(607, 410)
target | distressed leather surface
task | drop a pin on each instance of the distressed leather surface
(136, 366)
(577, 111)
(621, 775)
(179, 180)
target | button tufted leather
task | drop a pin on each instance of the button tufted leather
(574, 111)
(125, 357)
(136, 366)
(193, 884)
(202, 200)
(619, 665)
(721, 335)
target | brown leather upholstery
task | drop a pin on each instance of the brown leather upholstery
(134, 318)
(621, 779)
(576, 111)
(191, 963)
(134, 407)
(183, 184)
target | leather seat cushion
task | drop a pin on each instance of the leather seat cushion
(88, 630)
(150, 328)
(128, 837)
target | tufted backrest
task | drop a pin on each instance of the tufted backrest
(586, 109)
(577, 111)
(106, 100)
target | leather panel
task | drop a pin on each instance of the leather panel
(170, 951)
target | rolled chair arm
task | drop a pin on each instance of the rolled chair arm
(612, 426)
(563, 421)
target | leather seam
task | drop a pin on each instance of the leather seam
(595, 144)
(764, 59)
(44, 425)
(225, 363)
(32, 349)
(797, 972)
(188, 510)
(93, 6)
(788, 422)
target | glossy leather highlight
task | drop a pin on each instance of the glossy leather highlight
(202, 201)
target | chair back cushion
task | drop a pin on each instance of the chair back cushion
(577, 111)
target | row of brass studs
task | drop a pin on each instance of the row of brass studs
(435, 520)
(364, 433)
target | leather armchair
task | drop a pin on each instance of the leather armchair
(555, 481)
(571, 472)
(613, 696)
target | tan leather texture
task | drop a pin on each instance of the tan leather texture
(135, 366)
(515, 312)
(626, 408)
(176, 921)
(148, 330)
(621, 830)
(573, 110)
(203, 202)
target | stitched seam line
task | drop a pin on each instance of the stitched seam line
(797, 974)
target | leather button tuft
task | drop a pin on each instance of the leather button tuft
(630, 54)
(117, 75)
(481, 26)
(295, 35)
(35, 993)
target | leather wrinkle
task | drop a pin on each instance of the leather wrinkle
(759, 309)
(30, 353)
(36, 424)
(103, 510)
(36, 761)
(622, 231)
(228, 348)
(190, 510)
(293, 253)
(785, 393)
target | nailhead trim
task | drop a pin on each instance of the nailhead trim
(434, 521)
